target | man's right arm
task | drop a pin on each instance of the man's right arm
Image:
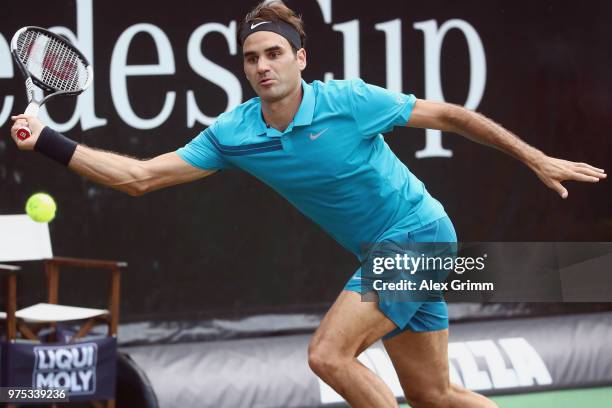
(132, 176)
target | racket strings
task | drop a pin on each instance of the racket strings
(51, 61)
(61, 68)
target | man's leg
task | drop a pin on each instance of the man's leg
(421, 363)
(349, 327)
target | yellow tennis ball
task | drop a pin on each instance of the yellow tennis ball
(41, 207)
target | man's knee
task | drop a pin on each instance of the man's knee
(428, 396)
(324, 360)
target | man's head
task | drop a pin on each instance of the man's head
(272, 39)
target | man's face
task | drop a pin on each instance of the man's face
(271, 66)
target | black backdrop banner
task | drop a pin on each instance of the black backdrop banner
(229, 243)
(500, 357)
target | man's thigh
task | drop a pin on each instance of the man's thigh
(420, 359)
(418, 316)
(351, 325)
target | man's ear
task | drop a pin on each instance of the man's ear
(301, 57)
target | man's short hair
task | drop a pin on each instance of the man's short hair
(275, 11)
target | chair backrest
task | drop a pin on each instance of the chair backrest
(22, 239)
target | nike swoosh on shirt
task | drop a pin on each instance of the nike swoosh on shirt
(253, 26)
(316, 136)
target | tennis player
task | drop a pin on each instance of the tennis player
(320, 146)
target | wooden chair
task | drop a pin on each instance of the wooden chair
(50, 313)
(24, 240)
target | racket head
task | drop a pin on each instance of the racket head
(51, 61)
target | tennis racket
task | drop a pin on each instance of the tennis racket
(51, 63)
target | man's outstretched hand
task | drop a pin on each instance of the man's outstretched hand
(553, 171)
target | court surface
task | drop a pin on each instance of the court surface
(588, 397)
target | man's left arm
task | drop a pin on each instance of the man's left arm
(476, 127)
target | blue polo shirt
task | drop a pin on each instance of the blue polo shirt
(332, 163)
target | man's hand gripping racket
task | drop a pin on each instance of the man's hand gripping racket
(51, 63)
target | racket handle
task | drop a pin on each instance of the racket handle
(32, 110)
(23, 133)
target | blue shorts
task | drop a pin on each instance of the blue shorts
(415, 315)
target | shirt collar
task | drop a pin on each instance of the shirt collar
(303, 117)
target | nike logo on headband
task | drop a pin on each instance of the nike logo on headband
(253, 26)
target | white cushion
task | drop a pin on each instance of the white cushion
(47, 313)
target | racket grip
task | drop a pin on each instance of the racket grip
(32, 110)
(23, 133)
